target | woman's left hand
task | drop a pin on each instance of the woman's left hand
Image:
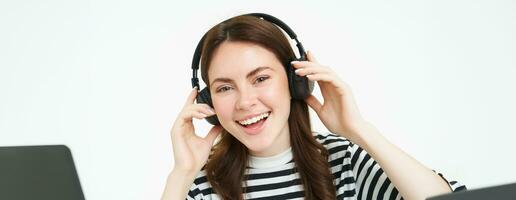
(339, 112)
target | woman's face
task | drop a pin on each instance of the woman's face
(250, 94)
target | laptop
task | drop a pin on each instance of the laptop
(38, 172)
(500, 192)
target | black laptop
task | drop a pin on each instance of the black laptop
(500, 192)
(38, 172)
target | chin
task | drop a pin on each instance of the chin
(258, 144)
(258, 147)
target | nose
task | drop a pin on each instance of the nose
(247, 99)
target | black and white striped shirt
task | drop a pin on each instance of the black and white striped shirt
(356, 175)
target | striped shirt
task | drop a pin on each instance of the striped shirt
(356, 175)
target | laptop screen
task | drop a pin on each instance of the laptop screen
(38, 172)
(499, 192)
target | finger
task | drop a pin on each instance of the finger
(214, 132)
(314, 103)
(310, 56)
(197, 111)
(206, 109)
(305, 64)
(191, 96)
(312, 70)
(321, 77)
(201, 108)
(195, 114)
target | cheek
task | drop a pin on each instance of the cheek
(223, 107)
(277, 94)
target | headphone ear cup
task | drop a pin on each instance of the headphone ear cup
(300, 86)
(205, 97)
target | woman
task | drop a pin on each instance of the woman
(267, 148)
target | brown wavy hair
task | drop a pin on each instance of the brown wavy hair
(226, 166)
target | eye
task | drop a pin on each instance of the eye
(261, 79)
(223, 89)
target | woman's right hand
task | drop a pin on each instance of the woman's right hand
(191, 151)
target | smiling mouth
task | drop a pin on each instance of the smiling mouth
(255, 120)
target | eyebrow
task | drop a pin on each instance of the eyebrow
(252, 73)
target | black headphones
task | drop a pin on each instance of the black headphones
(300, 87)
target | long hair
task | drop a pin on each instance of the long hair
(226, 166)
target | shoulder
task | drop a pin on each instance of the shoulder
(330, 140)
(336, 145)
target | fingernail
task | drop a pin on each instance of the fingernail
(294, 62)
(297, 71)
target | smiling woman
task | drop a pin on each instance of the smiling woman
(257, 52)
(252, 92)
(267, 149)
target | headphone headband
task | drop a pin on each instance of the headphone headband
(198, 50)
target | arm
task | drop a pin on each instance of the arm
(341, 115)
(190, 151)
(412, 179)
(178, 185)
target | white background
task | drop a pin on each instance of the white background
(107, 78)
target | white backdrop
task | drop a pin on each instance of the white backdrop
(107, 78)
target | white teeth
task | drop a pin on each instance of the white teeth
(254, 119)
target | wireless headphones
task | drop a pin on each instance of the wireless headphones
(300, 87)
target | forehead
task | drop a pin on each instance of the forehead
(235, 59)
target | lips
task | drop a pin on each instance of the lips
(253, 115)
(253, 118)
(256, 127)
